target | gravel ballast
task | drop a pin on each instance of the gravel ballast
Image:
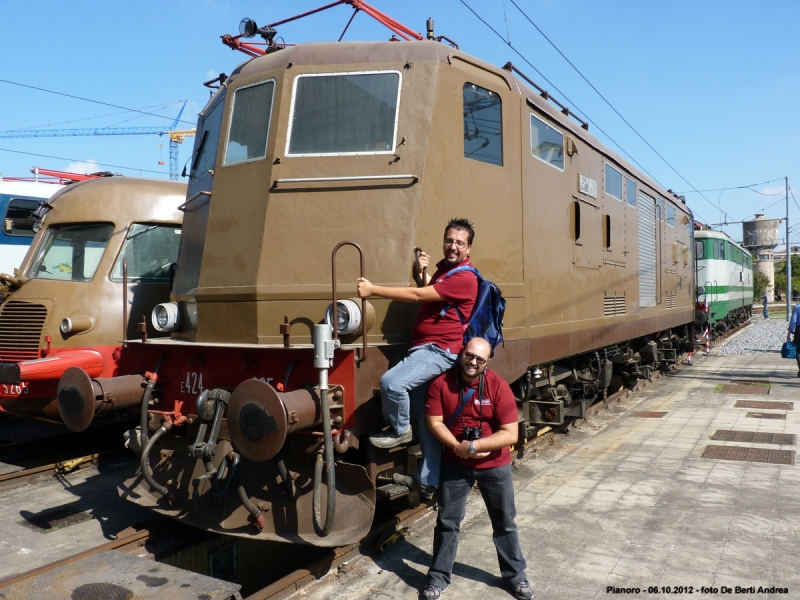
(761, 336)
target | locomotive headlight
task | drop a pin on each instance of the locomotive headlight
(165, 317)
(349, 319)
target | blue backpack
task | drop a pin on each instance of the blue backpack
(486, 320)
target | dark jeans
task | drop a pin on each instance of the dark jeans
(497, 488)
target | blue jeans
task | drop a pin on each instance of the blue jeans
(403, 389)
(497, 488)
(766, 314)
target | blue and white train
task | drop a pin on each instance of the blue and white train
(18, 200)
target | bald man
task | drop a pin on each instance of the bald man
(471, 410)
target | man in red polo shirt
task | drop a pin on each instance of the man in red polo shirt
(436, 340)
(472, 412)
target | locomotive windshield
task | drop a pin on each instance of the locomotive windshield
(150, 250)
(71, 252)
(249, 127)
(354, 113)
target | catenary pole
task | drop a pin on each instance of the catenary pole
(788, 259)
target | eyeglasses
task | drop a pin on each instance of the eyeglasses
(459, 243)
(469, 357)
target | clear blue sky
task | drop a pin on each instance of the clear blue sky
(712, 86)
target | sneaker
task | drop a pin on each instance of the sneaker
(426, 491)
(431, 592)
(522, 590)
(390, 439)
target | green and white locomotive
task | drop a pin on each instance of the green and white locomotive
(724, 282)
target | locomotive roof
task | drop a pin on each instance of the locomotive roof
(361, 53)
(717, 235)
(119, 200)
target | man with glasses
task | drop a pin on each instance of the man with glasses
(471, 410)
(436, 340)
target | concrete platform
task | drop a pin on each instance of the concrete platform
(627, 501)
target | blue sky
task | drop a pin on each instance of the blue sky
(712, 86)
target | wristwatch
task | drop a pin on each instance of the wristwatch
(472, 448)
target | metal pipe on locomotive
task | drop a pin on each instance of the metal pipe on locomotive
(380, 144)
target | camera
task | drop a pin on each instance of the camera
(471, 434)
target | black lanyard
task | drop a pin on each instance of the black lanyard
(463, 399)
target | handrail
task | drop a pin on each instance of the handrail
(334, 312)
(183, 206)
(350, 178)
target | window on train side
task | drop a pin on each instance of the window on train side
(351, 113)
(670, 215)
(71, 252)
(613, 182)
(483, 125)
(249, 127)
(17, 220)
(630, 191)
(150, 251)
(547, 144)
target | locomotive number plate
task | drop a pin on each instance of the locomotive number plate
(587, 185)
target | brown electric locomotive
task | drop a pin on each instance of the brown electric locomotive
(317, 163)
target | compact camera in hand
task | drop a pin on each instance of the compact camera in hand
(471, 434)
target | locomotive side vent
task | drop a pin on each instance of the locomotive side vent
(672, 300)
(20, 330)
(613, 305)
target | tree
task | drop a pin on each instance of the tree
(780, 276)
(760, 284)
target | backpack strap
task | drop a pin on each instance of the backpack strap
(453, 272)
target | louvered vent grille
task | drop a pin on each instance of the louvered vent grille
(613, 305)
(20, 330)
(672, 300)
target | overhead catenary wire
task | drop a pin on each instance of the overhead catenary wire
(577, 109)
(158, 106)
(80, 160)
(89, 100)
(599, 94)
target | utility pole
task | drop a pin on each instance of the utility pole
(788, 259)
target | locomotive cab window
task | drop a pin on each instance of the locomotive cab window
(352, 113)
(150, 251)
(17, 221)
(249, 127)
(670, 215)
(205, 152)
(547, 144)
(660, 203)
(71, 252)
(630, 191)
(613, 182)
(483, 125)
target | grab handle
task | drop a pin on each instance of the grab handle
(363, 355)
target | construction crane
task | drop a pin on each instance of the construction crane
(176, 136)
